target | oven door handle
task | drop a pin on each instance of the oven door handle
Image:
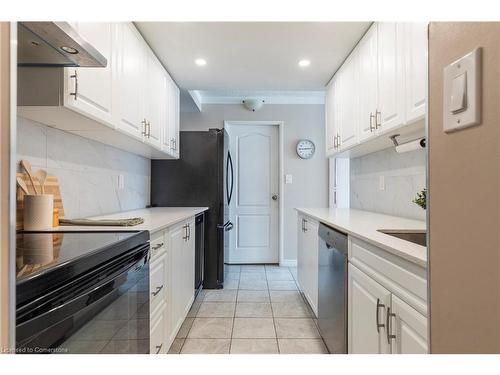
(83, 299)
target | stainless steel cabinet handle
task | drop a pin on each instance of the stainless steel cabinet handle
(379, 325)
(185, 232)
(144, 124)
(305, 225)
(372, 116)
(302, 225)
(156, 247)
(378, 119)
(390, 315)
(158, 290)
(158, 348)
(75, 76)
(149, 129)
(338, 141)
(334, 142)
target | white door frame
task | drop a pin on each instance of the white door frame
(281, 182)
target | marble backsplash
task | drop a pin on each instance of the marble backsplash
(404, 176)
(87, 170)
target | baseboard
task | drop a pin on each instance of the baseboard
(288, 263)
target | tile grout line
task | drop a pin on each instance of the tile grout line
(272, 312)
(234, 313)
(194, 318)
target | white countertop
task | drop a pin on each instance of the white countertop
(155, 219)
(364, 225)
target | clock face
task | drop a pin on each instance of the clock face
(305, 149)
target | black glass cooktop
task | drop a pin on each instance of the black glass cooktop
(50, 257)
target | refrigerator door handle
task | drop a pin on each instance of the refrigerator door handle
(229, 164)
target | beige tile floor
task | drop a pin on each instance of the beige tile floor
(259, 311)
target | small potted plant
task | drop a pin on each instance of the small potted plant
(421, 199)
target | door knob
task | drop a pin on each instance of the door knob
(274, 197)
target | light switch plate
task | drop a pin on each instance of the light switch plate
(462, 92)
(288, 179)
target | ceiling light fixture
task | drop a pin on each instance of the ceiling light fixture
(200, 62)
(304, 63)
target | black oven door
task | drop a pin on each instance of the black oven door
(103, 311)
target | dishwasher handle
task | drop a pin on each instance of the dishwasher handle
(333, 238)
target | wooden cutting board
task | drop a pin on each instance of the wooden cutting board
(51, 187)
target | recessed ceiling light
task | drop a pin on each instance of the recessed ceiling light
(200, 62)
(304, 63)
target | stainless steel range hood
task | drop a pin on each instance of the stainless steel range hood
(55, 44)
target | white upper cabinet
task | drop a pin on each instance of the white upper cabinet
(368, 85)
(348, 124)
(379, 88)
(156, 103)
(131, 104)
(171, 136)
(329, 117)
(391, 89)
(132, 73)
(89, 91)
(415, 70)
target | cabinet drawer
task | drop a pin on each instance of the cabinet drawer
(158, 245)
(403, 278)
(157, 336)
(158, 287)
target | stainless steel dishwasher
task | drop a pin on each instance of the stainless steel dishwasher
(332, 284)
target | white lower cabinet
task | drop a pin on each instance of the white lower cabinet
(182, 244)
(367, 302)
(409, 328)
(171, 282)
(307, 260)
(379, 320)
(158, 339)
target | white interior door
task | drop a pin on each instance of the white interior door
(254, 207)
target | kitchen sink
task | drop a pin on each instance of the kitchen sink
(416, 236)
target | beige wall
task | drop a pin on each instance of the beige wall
(310, 177)
(4, 180)
(464, 190)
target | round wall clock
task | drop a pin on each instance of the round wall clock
(305, 149)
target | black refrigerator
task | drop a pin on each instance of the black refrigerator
(198, 179)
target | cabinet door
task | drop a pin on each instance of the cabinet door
(177, 245)
(158, 343)
(93, 86)
(330, 114)
(349, 105)
(409, 327)
(132, 76)
(171, 141)
(190, 261)
(156, 102)
(391, 72)
(364, 298)
(311, 263)
(368, 85)
(416, 70)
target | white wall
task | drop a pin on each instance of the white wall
(404, 176)
(87, 170)
(310, 177)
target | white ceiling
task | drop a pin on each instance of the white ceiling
(252, 55)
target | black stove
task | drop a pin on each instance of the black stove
(69, 284)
